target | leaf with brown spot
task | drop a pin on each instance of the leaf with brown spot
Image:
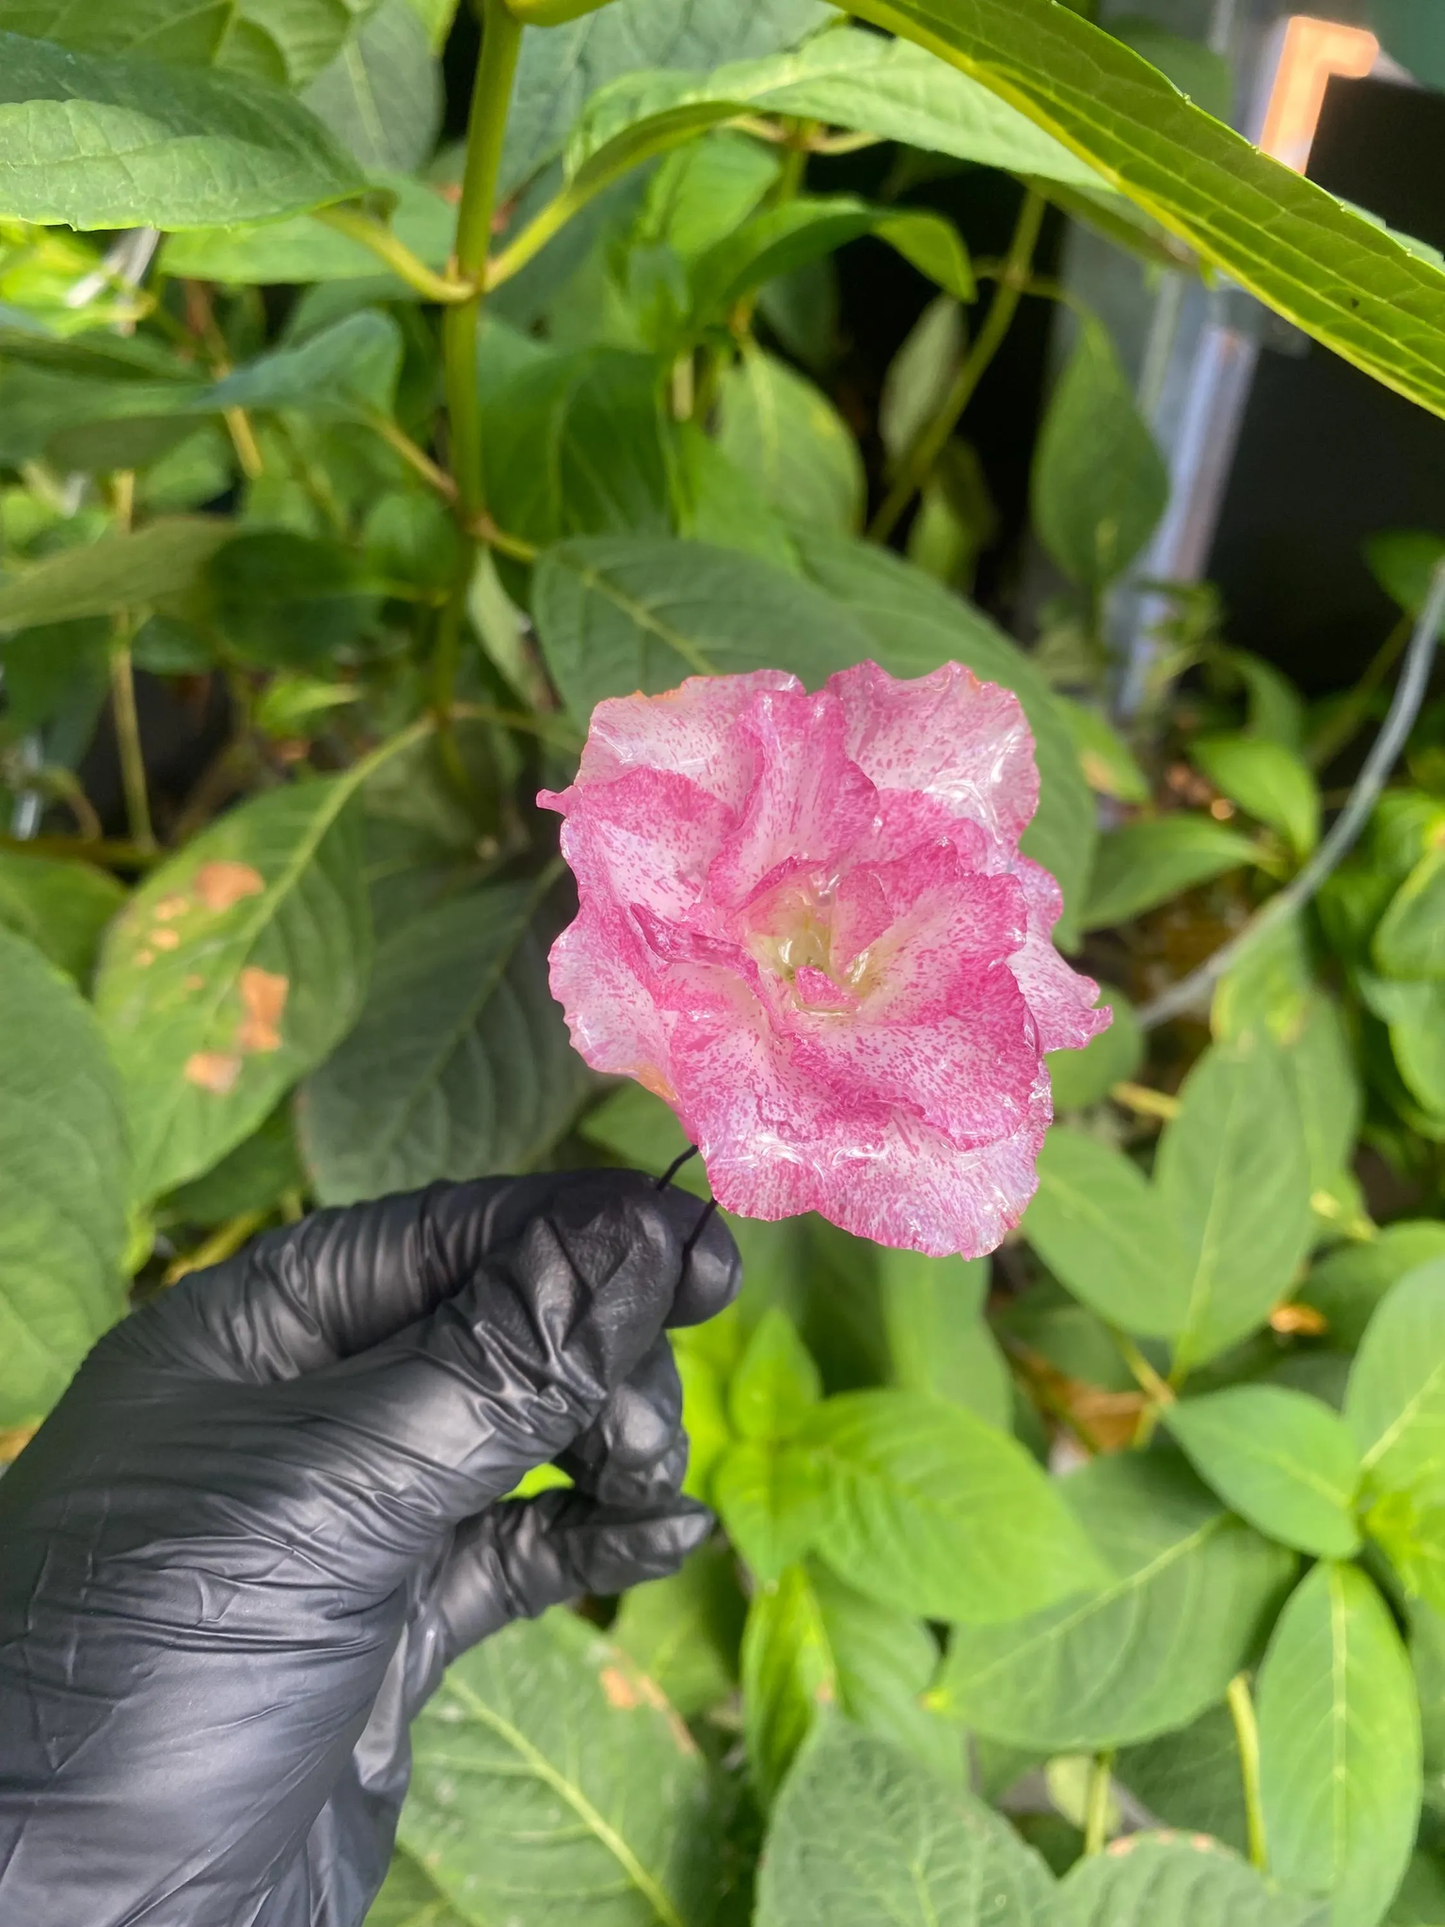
(285, 927)
(164, 939)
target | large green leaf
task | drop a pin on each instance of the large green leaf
(1082, 1077)
(1101, 1227)
(784, 434)
(116, 572)
(1341, 279)
(1147, 1880)
(1396, 1399)
(863, 1834)
(307, 249)
(1410, 939)
(553, 1783)
(1099, 482)
(577, 444)
(851, 79)
(913, 625)
(1284, 1461)
(1192, 1778)
(1147, 1651)
(1347, 1286)
(932, 1510)
(61, 907)
(939, 1341)
(381, 97)
(411, 1898)
(113, 141)
(64, 1183)
(346, 369)
(1267, 781)
(1233, 1173)
(561, 66)
(1339, 1735)
(285, 41)
(460, 1062)
(684, 1631)
(1144, 864)
(623, 613)
(238, 965)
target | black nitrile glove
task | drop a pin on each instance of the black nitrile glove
(238, 1555)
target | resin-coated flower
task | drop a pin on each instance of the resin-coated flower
(805, 923)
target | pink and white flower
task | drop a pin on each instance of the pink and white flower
(806, 924)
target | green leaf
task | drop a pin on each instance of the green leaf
(623, 613)
(1109, 765)
(1412, 1534)
(1082, 1077)
(1348, 1285)
(1415, 1013)
(1403, 562)
(863, 1834)
(932, 1510)
(64, 1183)
(1410, 938)
(409, 1897)
(306, 250)
(1421, 1899)
(1107, 1233)
(113, 141)
(459, 1064)
(939, 1341)
(785, 434)
(254, 1177)
(348, 369)
(1339, 1734)
(685, 1631)
(1284, 1461)
(576, 444)
(116, 572)
(883, 1661)
(1144, 864)
(284, 600)
(855, 80)
(381, 96)
(1200, 73)
(1099, 482)
(717, 503)
(61, 907)
(1192, 1778)
(285, 41)
(913, 626)
(921, 373)
(1267, 781)
(1145, 1652)
(1427, 1657)
(551, 1776)
(789, 1675)
(772, 1500)
(1146, 1880)
(775, 1382)
(560, 68)
(1339, 278)
(1233, 1174)
(1396, 1398)
(236, 968)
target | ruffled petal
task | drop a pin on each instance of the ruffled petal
(647, 837)
(690, 731)
(1060, 997)
(947, 737)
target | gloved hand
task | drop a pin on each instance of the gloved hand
(236, 1558)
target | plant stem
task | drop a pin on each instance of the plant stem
(222, 1243)
(74, 849)
(496, 67)
(1013, 284)
(1096, 1809)
(1409, 695)
(415, 458)
(127, 736)
(446, 660)
(1246, 1734)
(385, 245)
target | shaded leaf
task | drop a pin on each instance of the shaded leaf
(1144, 864)
(61, 907)
(254, 1177)
(1145, 1880)
(1267, 781)
(114, 141)
(1410, 938)
(685, 1631)
(1346, 1287)
(64, 1183)
(1192, 1778)
(118, 571)
(459, 1064)
(381, 96)
(410, 1898)
(1145, 1652)
(939, 1341)
(785, 434)
(347, 369)
(775, 1381)
(307, 250)
(1339, 1733)
(1082, 1077)
(1396, 1398)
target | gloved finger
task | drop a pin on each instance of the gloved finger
(526, 1555)
(302, 1298)
(634, 1452)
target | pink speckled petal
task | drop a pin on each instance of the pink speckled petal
(599, 975)
(915, 922)
(946, 736)
(1060, 997)
(690, 731)
(646, 837)
(809, 802)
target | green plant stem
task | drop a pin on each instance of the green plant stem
(1246, 1734)
(74, 849)
(486, 126)
(127, 737)
(1352, 712)
(446, 660)
(1096, 1808)
(222, 1243)
(385, 245)
(1013, 283)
